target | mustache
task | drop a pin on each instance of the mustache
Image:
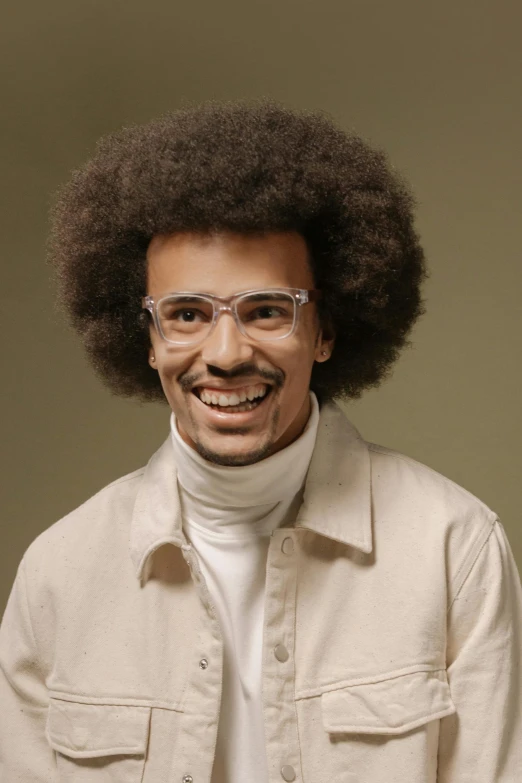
(247, 370)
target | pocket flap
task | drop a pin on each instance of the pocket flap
(389, 706)
(88, 730)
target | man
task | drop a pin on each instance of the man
(271, 598)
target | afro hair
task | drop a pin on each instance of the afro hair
(247, 168)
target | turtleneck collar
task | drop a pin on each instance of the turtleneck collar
(220, 497)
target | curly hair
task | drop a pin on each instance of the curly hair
(247, 168)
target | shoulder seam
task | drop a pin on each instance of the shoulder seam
(412, 461)
(466, 567)
(23, 585)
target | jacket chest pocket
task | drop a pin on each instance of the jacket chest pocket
(389, 706)
(98, 742)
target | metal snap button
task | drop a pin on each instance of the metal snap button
(281, 653)
(203, 664)
(288, 773)
(287, 547)
(189, 779)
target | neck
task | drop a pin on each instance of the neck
(214, 493)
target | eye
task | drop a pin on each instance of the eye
(266, 312)
(187, 316)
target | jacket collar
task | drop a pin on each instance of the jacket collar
(336, 503)
(337, 496)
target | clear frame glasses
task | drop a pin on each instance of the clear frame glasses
(187, 318)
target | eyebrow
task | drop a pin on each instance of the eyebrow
(186, 297)
(261, 297)
(255, 297)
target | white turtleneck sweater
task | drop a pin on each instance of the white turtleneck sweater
(228, 516)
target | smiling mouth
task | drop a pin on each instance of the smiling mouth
(242, 400)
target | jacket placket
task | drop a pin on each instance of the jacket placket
(196, 748)
(280, 717)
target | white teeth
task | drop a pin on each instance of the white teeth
(233, 398)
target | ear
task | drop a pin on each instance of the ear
(324, 346)
(152, 358)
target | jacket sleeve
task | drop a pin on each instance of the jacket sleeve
(482, 741)
(25, 755)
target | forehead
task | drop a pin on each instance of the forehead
(226, 263)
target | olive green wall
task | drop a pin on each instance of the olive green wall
(436, 84)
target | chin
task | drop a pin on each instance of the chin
(234, 458)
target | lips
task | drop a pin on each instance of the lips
(231, 398)
(226, 405)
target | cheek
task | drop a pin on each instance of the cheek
(302, 357)
(297, 365)
(168, 377)
(173, 365)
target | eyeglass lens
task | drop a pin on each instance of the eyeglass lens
(263, 316)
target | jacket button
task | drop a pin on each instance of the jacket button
(288, 773)
(187, 779)
(287, 547)
(203, 664)
(281, 653)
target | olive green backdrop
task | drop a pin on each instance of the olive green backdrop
(436, 84)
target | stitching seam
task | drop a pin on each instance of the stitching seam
(471, 558)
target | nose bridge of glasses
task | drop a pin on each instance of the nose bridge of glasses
(223, 306)
(228, 307)
(225, 343)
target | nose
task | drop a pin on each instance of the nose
(226, 347)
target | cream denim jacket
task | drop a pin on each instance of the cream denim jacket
(395, 595)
